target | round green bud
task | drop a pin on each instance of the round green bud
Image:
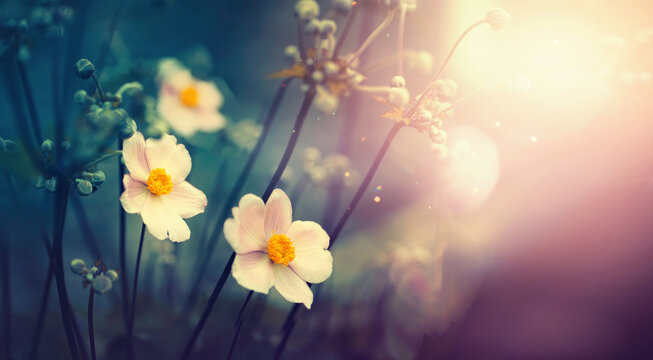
(112, 274)
(84, 187)
(51, 184)
(78, 266)
(98, 177)
(80, 97)
(47, 148)
(84, 68)
(102, 284)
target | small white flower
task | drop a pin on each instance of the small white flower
(156, 186)
(398, 81)
(272, 250)
(186, 103)
(497, 18)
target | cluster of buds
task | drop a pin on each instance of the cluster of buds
(314, 60)
(96, 276)
(321, 170)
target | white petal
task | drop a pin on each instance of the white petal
(166, 154)
(245, 231)
(186, 200)
(135, 195)
(133, 152)
(253, 271)
(182, 119)
(209, 95)
(278, 213)
(210, 121)
(291, 286)
(312, 262)
(163, 221)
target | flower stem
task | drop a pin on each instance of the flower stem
(209, 306)
(239, 325)
(135, 288)
(444, 64)
(123, 257)
(345, 30)
(290, 321)
(234, 194)
(87, 232)
(290, 147)
(6, 295)
(41, 314)
(31, 105)
(91, 335)
(373, 35)
(106, 44)
(99, 88)
(60, 204)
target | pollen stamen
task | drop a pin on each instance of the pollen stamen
(159, 182)
(280, 249)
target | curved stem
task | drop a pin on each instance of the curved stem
(290, 322)
(86, 229)
(239, 318)
(400, 40)
(135, 288)
(235, 193)
(444, 64)
(91, 335)
(99, 88)
(345, 30)
(6, 295)
(373, 35)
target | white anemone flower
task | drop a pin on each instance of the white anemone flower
(189, 105)
(272, 250)
(156, 186)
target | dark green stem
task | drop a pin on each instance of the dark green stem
(61, 201)
(91, 335)
(31, 105)
(123, 257)
(135, 288)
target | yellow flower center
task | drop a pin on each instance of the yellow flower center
(189, 96)
(159, 182)
(280, 249)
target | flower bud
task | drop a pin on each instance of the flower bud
(38, 181)
(438, 136)
(291, 53)
(306, 10)
(80, 97)
(51, 184)
(128, 129)
(398, 81)
(313, 27)
(328, 27)
(84, 187)
(102, 284)
(78, 266)
(326, 102)
(84, 68)
(112, 274)
(317, 76)
(425, 116)
(47, 149)
(398, 97)
(98, 177)
(23, 53)
(331, 68)
(497, 18)
(446, 88)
